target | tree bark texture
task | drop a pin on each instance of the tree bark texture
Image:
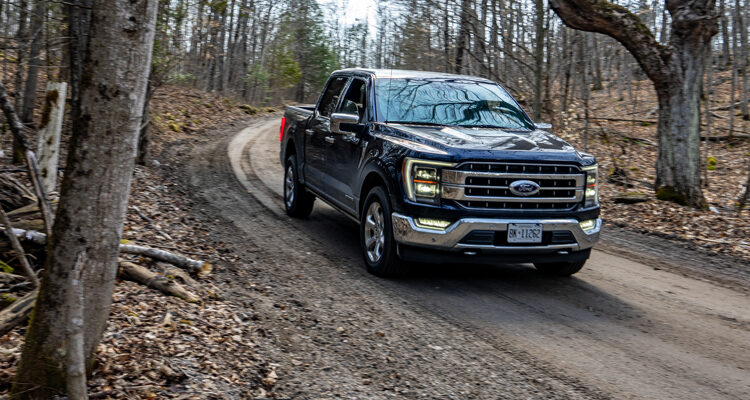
(675, 70)
(94, 191)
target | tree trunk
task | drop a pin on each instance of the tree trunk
(676, 72)
(678, 165)
(32, 77)
(463, 35)
(144, 135)
(725, 57)
(741, 59)
(79, 19)
(21, 43)
(94, 191)
(745, 196)
(538, 57)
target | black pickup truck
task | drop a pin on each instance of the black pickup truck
(440, 168)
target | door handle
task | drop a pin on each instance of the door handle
(309, 131)
(330, 139)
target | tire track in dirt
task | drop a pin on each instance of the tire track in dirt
(619, 328)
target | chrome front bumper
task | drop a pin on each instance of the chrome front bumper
(406, 231)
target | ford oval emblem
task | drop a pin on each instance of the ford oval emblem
(524, 188)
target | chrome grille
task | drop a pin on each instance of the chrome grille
(487, 186)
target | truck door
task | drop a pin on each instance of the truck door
(345, 153)
(318, 136)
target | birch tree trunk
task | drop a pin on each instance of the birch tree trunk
(94, 191)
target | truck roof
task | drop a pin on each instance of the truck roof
(402, 73)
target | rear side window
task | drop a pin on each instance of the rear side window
(331, 96)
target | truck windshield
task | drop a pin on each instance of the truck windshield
(448, 102)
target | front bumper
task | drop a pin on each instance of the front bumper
(406, 231)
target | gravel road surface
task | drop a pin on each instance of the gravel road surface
(644, 319)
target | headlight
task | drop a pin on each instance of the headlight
(422, 179)
(591, 193)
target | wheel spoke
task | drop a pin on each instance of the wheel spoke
(370, 240)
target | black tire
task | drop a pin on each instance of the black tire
(560, 268)
(298, 202)
(383, 262)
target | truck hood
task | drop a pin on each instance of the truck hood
(487, 138)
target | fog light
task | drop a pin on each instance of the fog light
(587, 225)
(431, 223)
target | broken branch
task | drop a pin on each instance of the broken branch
(20, 253)
(18, 130)
(17, 313)
(194, 266)
(136, 273)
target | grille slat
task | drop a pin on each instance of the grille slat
(487, 186)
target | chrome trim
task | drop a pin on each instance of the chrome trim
(459, 193)
(517, 163)
(454, 185)
(459, 177)
(406, 231)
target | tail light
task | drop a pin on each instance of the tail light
(281, 133)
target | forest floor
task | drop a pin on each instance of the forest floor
(627, 152)
(243, 340)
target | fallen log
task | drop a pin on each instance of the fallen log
(138, 274)
(630, 198)
(720, 138)
(193, 266)
(17, 313)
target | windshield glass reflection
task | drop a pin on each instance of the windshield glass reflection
(448, 102)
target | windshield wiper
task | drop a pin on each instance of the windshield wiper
(485, 126)
(415, 123)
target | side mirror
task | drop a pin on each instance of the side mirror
(342, 118)
(543, 125)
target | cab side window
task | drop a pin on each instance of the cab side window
(331, 96)
(355, 100)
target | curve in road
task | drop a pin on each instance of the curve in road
(627, 328)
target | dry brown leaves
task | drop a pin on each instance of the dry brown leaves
(156, 346)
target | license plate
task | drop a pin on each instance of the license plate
(524, 233)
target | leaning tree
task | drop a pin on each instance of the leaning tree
(675, 70)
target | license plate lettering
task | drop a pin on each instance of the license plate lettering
(524, 233)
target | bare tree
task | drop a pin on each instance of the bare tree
(675, 70)
(94, 191)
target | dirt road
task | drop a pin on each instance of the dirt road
(676, 327)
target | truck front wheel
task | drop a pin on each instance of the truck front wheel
(298, 202)
(376, 236)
